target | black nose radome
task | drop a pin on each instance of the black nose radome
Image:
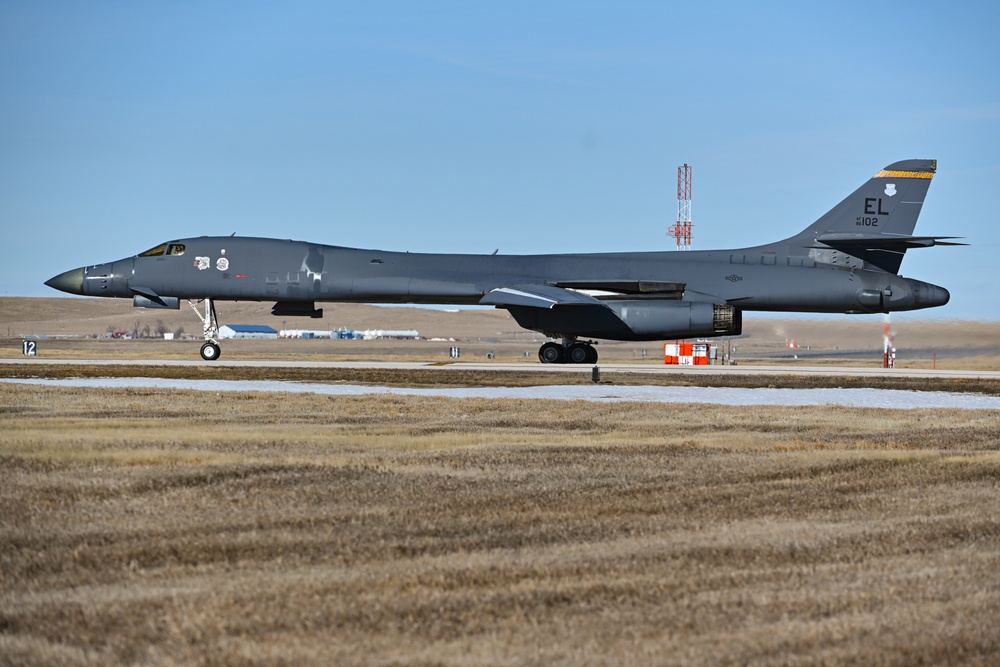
(70, 282)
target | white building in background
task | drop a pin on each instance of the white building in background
(305, 333)
(367, 334)
(374, 334)
(247, 331)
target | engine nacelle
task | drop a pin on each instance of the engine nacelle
(654, 320)
(633, 319)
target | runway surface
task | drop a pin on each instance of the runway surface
(823, 371)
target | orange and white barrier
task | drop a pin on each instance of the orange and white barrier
(686, 354)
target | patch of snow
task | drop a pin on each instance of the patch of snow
(860, 398)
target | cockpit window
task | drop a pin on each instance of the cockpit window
(155, 252)
(176, 249)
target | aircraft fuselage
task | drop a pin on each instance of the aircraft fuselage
(847, 261)
(258, 269)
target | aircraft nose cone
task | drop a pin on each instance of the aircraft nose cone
(70, 282)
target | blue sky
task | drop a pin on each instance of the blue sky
(465, 127)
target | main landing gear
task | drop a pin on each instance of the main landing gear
(211, 350)
(568, 352)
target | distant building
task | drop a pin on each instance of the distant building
(375, 334)
(349, 334)
(304, 333)
(246, 331)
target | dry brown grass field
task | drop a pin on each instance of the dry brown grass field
(179, 527)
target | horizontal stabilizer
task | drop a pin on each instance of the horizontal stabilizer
(886, 241)
(535, 296)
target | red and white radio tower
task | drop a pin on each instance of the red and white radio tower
(682, 230)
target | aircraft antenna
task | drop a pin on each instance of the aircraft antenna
(681, 231)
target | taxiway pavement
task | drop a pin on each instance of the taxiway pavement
(823, 371)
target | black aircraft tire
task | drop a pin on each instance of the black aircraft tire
(551, 353)
(578, 354)
(591, 355)
(210, 351)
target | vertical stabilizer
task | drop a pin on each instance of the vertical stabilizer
(873, 222)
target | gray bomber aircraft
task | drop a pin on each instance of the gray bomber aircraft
(846, 262)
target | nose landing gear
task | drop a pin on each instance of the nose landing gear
(211, 350)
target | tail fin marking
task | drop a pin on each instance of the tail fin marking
(876, 217)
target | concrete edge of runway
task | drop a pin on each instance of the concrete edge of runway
(822, 371)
